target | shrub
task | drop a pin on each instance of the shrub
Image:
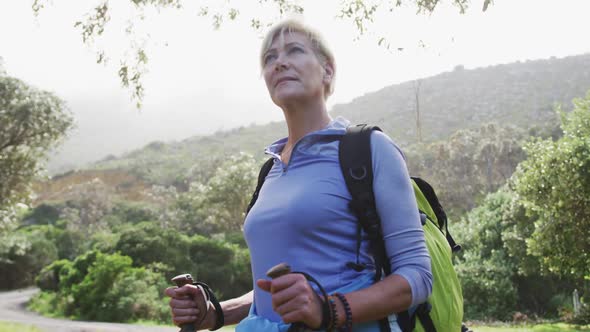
(583, 318)
(224, 266)
(22, 255)
(498, 276)
(103, 287)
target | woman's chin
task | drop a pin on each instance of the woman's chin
(286, 98)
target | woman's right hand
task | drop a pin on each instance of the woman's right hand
(184, 306)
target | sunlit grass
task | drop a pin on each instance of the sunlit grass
(152, 323)
(553, 327)
(547, 327)
(14, 327)
(556, 327)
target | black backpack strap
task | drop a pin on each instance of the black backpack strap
(261, 177)
(407, 322)
(423, 314)
(357, 168)
(430, 195)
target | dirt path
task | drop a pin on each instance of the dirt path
(12, 309)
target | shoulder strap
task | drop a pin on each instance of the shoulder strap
(355, 161)
(261, 177)
(357, 169)
(432, 199)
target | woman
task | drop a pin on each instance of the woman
(302, 215)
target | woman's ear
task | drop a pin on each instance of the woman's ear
(328, 72)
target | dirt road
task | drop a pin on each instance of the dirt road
(12, 309)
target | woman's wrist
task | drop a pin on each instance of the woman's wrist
(210, 318)
(340, 312)
(344, 314)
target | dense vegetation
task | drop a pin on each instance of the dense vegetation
(98, 250)
(103, 243)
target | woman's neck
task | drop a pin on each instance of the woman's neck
(305, 119)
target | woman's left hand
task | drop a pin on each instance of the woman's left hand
(294, 299)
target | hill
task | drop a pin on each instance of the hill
(522, 94)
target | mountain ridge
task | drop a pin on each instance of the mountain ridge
(521, 93)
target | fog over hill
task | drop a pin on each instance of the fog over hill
(106, 125)
(522, 93)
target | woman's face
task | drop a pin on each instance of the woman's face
(293, 72)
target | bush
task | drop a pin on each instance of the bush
(485, 270)
(22, 255)
(148, 243)
(554, 183)
(125, 213)
(48, 279)
(128, 285)
(44, 214)
(131, 305)
(103, 287)
(583, 318)
(488, 290)
(224, 266)
(47, 303)
(498, 276)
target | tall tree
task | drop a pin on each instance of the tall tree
(497, 274)
(469, 165)
(220, 205)
(360, 12)
(554, 183)
(31, 123)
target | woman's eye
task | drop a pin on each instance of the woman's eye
(296, 49)
(269, 58)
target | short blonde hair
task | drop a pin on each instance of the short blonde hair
(320, 48)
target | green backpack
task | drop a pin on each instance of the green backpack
(443, 312)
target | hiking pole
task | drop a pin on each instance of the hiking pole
(280, 270)
(184, 279)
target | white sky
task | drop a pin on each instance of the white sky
(206, 80)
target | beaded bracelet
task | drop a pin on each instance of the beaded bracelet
(326, 316)
(347, 327)
(333, 314)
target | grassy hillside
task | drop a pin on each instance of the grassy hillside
(522, 94)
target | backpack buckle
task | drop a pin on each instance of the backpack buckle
(359, 173)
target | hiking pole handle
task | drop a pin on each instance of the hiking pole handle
(275, 272)
(181, 280)
(278, 270)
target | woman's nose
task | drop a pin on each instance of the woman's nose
(280, 67)
(281, 63)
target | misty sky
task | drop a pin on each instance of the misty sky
(201, 80)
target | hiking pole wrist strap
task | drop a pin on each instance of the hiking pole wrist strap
(327, 318)
(219, 317)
